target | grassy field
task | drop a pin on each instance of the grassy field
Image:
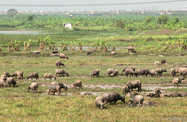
(19, 104)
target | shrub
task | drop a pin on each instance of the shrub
(163, 19)
(121, 23)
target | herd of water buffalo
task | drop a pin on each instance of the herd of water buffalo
(100, 101)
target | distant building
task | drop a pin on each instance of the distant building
(67, 25)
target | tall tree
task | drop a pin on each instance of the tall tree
(11, 12)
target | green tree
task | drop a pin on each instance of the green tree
(148, 20)
(121, 23)
(11, 12)
(30, 17)
(163, 19)
(176, 20)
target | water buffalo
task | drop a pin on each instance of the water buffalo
(33, 87)
(173, 94)
(95, 72)
(131, 49)
(7, 74)
(99, 103)
(89, 52)
(128, 71)
(115, 73)
(143, 72)
(125, 89)
(54, 88)
(11, 81)
(60, 71)
(76, 84)
(173, 72)
(157, 63)
(61, 85)
(163, 61)
(3, 83)
(33, 75)
(134, 84)
(18, 74)
(177, 81)
(160, 70)
(63, 56)
(137, 99)
(113, 53)
(109, 71)
(112, 97)
(59, 64)
(153, 72)
(49, 75)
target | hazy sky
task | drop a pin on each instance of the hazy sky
(160, 6)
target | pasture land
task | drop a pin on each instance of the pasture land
(19, 104)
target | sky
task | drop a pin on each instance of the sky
(158, 6)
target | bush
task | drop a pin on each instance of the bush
(121, 23)
(176, 20)
(148, 20)
(30, 17)
(163, 19)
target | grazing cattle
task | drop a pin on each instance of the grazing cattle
(182, 70)
(136, 99)
(3, 77)
(157, 92)
(6, 74)
(163, 61)
(61, 85)
(33, 75)
(99, 103)
(54, 88)
(55, 52)
(112, 97)
(157, 63)
(150, 94)
(153, 72)
(113, 53)
(60, 71)
(173, 94)
(11, 81)
(131, 49)
(3, 83)
(177, 81)
(109, 71)
(36, 52)
(49, 75)
(33, 87)
(160, 70)
(89, 52)
(61, 55)
(115, 73)
(95, 73)
(134, 84)
(59, 64)
(76, 84)
(128, 71)
(125, 89)
(173, 72)
(143, 72)
(18, 74)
